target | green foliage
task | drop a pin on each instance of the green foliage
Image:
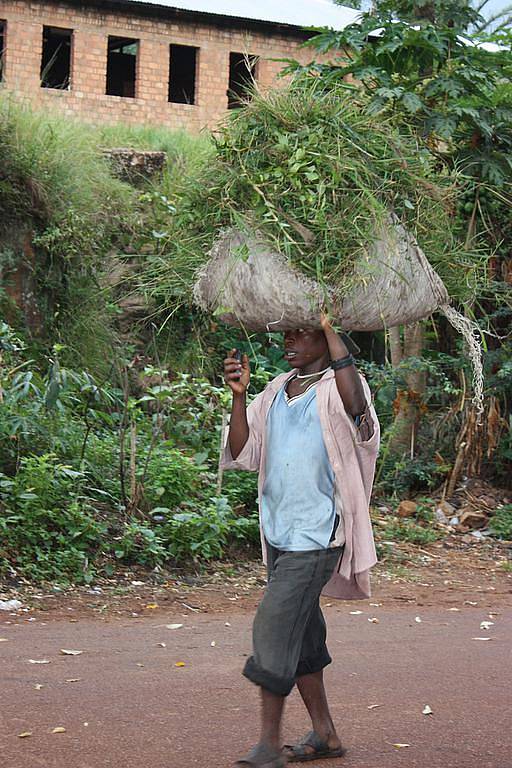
(193, 535)
(53, 175)
(501, 522)
(204, 534)
(423, 66)
(59, 198)
(408, 530)
(171, 477)
(47, 529)
(62, 440)
(141, 544)
(241, 488)
(403, 476)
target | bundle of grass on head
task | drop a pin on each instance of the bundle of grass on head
(317, 179)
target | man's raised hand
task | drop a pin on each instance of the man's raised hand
(237, 373)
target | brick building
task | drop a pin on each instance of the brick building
(181, 63)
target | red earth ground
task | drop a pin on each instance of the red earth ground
(143, 694)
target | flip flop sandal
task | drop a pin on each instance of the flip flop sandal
(262, 756)
(321, 750)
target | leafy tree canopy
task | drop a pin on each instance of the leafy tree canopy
(418, 58)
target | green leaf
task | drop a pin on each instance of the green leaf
(412, 102)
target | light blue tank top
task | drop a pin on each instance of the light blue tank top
(297, 502)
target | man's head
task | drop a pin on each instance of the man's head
(304, 347)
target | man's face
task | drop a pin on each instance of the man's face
(304, 346)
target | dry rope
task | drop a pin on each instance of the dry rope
(471, 334)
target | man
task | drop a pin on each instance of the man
(313, 435)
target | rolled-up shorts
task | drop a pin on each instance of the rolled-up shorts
(289, 630)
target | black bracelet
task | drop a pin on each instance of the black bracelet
(342, 362)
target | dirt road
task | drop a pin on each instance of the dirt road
(124, 702)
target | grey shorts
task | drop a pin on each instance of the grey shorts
(289, 629)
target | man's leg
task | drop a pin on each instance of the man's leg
(281, 620)
(272, 707)
(311, 688)
(314, 658)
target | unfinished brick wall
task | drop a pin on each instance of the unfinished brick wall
(91, 25)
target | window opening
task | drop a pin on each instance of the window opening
(56, 58)
(182, 74)
(2, 48)
(242, 73)
(122, 66)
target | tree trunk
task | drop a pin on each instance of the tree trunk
(408, 401)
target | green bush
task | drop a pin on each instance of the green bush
(241, 488)
(140, 544)
(205, 533)
(407, 530)
(47, 530)
(171, 477)
(501, 523)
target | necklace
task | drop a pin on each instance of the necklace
(308, 376)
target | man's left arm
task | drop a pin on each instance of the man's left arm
(348, 381)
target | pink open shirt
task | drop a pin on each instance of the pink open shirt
(353, 464)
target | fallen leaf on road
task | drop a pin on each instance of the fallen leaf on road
(59, 729)
(66, 652)
(374, 620)
(197, 610)
(39, 661)
(355, 613)
(486, 624)
(173, 626)
(179, 664)
(426, 710)
(401, 746)
(152, 606)
(482, 638)
(374, 706)
(73, 679)
(25, 734)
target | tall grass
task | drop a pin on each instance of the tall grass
(50, 165)
(56, 184)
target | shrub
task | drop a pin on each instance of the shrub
(407, 530)
(204, 534)
(501, 523)
(171, 477)
(241, 489)
(141, 544)
(46, 529)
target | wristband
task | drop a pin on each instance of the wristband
(342, 362)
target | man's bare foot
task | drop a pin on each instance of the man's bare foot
(313, 746)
